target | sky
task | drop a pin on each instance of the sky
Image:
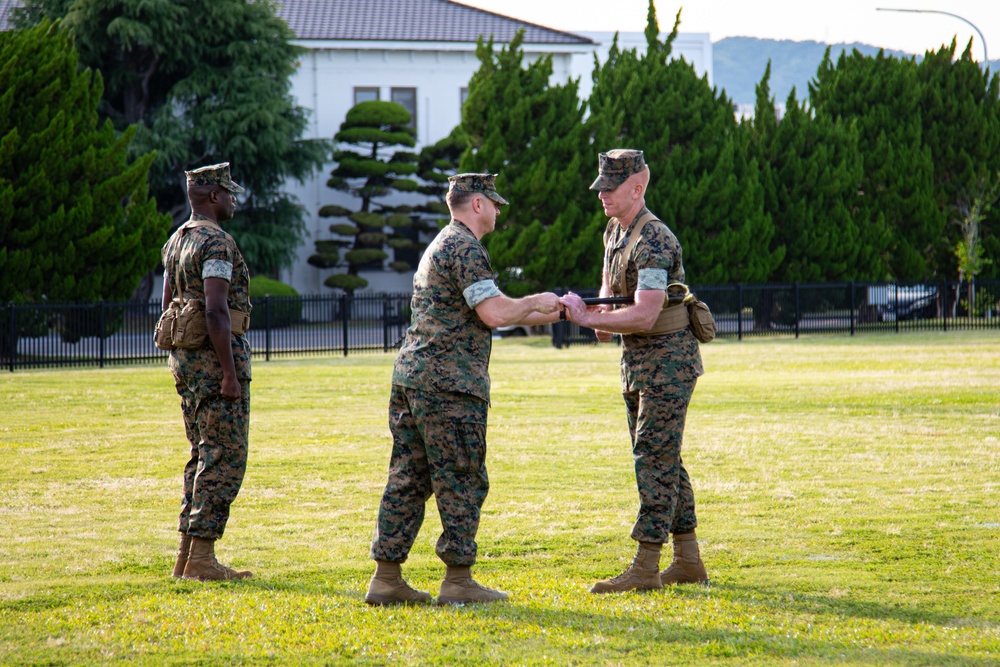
(829, 21)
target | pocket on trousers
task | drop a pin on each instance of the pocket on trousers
(470, 447)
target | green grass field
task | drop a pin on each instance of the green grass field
(848, 492)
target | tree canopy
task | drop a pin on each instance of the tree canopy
(76, 219)
(531, 134)
(206, 81)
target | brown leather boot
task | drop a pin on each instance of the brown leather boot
(182, 555)
(686, 568)
(459, 587)
(388, 587)
(642, 575)
(202, 566)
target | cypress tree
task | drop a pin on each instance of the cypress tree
(205, 81)
(961, 113)
(76, 219)
(531, 133)
(882, 95)
(704, 185)
(810, 170)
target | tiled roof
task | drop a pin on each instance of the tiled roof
(409, 21)
(394, 20)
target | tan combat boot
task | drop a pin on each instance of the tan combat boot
(202, 566)
(642, 575)
(389, 587)
(686, 568)
(459, 587)
(182, 555)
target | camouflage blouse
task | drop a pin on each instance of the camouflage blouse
(655, 262)
(196, 254)
(447, 347)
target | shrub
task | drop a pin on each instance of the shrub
(285, 304)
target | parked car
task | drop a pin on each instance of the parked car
(894, 303)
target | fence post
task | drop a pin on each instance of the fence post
(895, 302)
(344, 305)
(739, 311)
(850, 286)
(797, 309)
(385, 322)
(11, 337)
(944, 304)
(267, 327)
(100, 333)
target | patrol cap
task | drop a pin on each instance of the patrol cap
(484, 183)
(215, 174)
(616, 166)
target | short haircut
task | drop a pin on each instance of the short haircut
(200, 193)
(460, 198)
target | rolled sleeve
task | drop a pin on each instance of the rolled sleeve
(217, 268)
(478, 292)
(652, 279)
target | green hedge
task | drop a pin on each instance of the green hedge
(285, 307)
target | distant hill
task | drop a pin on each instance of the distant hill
(739, 64)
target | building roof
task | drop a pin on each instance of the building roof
(410, 21)
(393, 20)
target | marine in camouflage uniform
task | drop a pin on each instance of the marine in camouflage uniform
(659, 370)
(216, 424)
(439, 401)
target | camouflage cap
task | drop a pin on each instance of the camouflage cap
(215, 174)
(616, 166)
(476, 183)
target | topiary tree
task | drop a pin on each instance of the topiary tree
(437, 163)
(372, 166)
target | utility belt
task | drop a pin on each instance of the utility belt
(184, 326)
(672, 318)
(682, 312)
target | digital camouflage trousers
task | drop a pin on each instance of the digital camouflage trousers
(439, 449)
(656, 423)
(217, 431)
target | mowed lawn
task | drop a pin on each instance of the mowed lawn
(848, 491)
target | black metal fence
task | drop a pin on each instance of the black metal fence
(752, 311)
(116, 333)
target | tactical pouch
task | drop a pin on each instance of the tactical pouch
(189, 327)
(163, 337)
(702, 322)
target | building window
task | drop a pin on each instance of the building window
(463, 95)
(407, 98)
(365, 95)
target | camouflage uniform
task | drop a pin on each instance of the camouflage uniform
(217, 429)
(658, 372)
(440, 397)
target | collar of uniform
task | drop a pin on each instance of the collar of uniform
(462, 225)
(198, 217)
(621, 233)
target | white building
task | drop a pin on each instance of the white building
(421, 54)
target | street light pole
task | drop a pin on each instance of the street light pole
(986, 57)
